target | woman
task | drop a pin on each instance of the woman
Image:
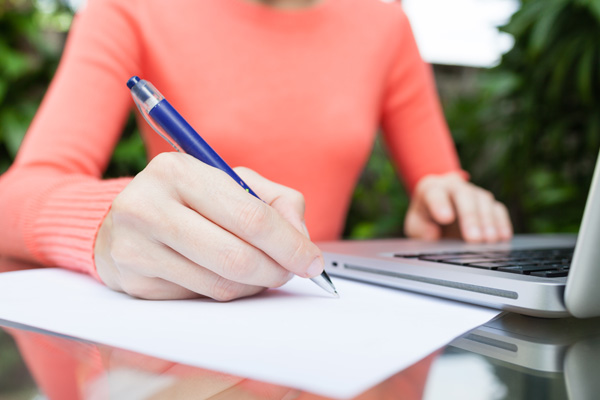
(294, 90)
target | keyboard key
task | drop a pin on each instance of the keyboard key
(551, 274)
(466, 261)
(407, 255)
(490, 265)
(525, 269)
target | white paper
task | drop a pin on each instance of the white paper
(296, 336)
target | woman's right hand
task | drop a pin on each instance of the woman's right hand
(181, 229)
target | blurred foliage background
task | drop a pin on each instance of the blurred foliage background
(31, 39)
(32, 36)
(528, 129)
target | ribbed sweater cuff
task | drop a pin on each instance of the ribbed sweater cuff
(65, 221)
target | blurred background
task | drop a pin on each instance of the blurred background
(526, 123)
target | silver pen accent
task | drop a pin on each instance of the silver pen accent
(325, 283)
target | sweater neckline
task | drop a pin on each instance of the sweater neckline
(288, 17)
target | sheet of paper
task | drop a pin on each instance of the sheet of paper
(296, 336)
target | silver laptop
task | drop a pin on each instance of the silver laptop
(539, 275)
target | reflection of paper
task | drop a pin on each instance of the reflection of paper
(296, 336)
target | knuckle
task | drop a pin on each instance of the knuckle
(424, 184)
(166, 164)
(164, 160)
(130, 206)
(120, 247)
(468, 217)
(297, 198)
(277, 278)
(234, 263)
(123, 203)
(456, 178)
(460, 187)
(136, 208)
(486, 195)
(224, 290)
(433, 197)
(252, 218)
(299, 253)
(501, 209)
(136, 288)
(283, 278)
(243, 170)
(125, 250)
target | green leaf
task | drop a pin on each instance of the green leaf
(542, 35)
(593, 6)
(585, 72)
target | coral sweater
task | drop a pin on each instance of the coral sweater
(297, 96)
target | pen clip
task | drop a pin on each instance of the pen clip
(156, 128)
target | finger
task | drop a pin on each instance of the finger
(466, 207)
(219, 251)
(502, 218)
(418, 224)
(225, 203)
(155, 288)
(169, 275)
(439, 205)
(287, 201)
(485, 210)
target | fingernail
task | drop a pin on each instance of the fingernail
(315, 268)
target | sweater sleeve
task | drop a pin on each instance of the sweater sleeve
(415, 130)
(52, 199)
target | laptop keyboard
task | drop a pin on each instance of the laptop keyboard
(547, 263)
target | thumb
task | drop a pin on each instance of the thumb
(289, 203)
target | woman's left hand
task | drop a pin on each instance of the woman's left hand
(449, 206)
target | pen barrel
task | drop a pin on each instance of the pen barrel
(190, 141)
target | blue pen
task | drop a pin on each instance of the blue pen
(174, 129)
(169, 124)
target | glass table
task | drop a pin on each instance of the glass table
(511, 357)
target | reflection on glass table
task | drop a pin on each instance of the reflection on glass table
(526, 358)
(512, 357)
(67, 368)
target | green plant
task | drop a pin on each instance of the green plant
(379, 200)
(31, 40)
(531, 132)
(32, 36)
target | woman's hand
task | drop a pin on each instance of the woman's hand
(182, 229)
(447, 205)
